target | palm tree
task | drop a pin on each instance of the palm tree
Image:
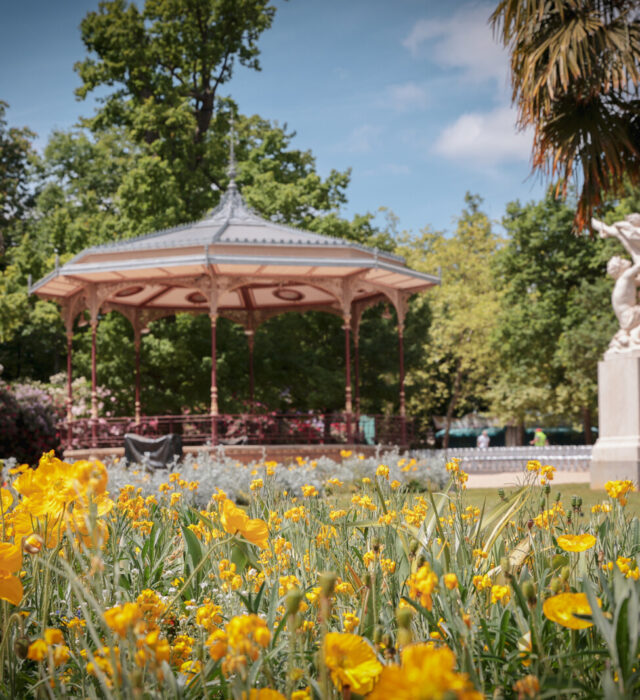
(575, 74)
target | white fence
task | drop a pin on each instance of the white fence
(572, 458)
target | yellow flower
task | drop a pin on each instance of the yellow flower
(350, 621)
(426, 673)
(527, 687)
(37, 650)
(499, 593)
(450, 581)
(53, 636)
(383, 471)
(546, 474)
(235, 521)
(482, 582)
(619, 489)
(351, 661)
(627, 566)
(256, 484)
(10, 563)
(217, 644)
(421, 585)
(120, 618)
(262, 694)
(561, 608)
(308, 491)
(576, 543)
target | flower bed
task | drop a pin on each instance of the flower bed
(330, 583)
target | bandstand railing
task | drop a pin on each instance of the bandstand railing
(245, 429)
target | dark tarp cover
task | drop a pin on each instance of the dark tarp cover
(159, 451)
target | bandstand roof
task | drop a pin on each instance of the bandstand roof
(233, 263)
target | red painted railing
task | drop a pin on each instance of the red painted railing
(246, 429)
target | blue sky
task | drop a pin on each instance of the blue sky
(412, 95)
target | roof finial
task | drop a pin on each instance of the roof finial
(231, 171)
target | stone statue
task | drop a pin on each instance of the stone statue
(624, 297)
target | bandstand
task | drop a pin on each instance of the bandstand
(240, 266)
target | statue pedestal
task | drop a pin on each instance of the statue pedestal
(616, 454)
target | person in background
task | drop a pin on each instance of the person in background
(483, 440)
(539, 439)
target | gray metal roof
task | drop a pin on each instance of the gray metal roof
(231, 222)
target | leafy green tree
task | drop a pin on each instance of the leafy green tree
(459, 357)
(555, 319)
(18, 164)
(167, 62)
(17, 159)
(575, 71)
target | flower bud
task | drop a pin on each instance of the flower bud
(292, 600)
(558, 561)
(327, 583)
(529, 591)
(21, 647)
(32, 544)
(565, 573)
(555, 585)
(404, 617)
(404, 637)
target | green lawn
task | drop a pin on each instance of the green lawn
(589, 497)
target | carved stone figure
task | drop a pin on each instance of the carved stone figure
(624, 297)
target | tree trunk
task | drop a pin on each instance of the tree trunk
(586, 424)
(520, 438)
(452, 404)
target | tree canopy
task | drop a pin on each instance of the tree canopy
(555, 320)
(575, 71)
(458, 356)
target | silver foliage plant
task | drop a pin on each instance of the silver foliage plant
(220, 471)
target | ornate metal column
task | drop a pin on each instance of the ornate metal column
(347, 375)
(400, 302)
(94, 382)
(94, 300)
(69, 401)
(137, 343)
(356, 372)
(251, 341)
(403, 412)
(214, 384)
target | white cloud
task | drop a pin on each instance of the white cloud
(464, 41)
(363, 139)
(406, 97)
(487, 138)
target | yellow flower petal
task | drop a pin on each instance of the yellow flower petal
(11, 589)
(576, 543)
(351, 661)
(561, 608)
